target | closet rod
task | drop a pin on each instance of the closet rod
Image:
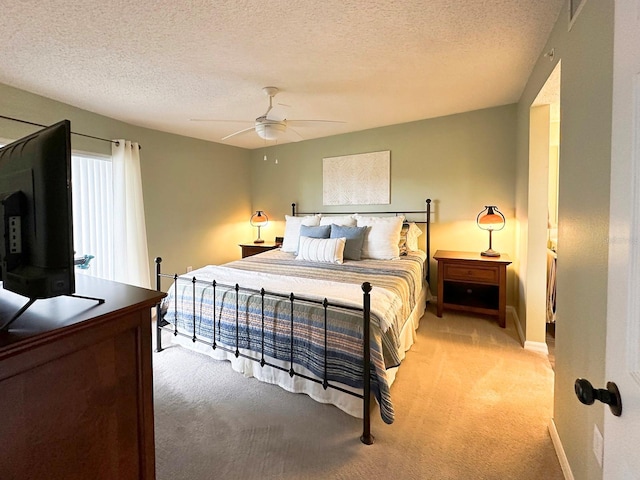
(74, 133)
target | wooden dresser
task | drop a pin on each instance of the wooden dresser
(470, 282)
(76, 385)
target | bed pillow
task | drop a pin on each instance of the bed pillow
(409, 235)
(320, 231)
(402, 244)
(382, 238)
(354, 240)
(292, 230)
(412, 236)
(344, 220)
(322, 250)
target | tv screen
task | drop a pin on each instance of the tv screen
(36, 247)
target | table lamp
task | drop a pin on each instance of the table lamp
(493, 220)
(259, 219)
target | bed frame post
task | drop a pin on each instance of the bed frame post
(158, 261)
(366, 437)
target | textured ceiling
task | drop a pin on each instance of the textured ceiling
(367, 63)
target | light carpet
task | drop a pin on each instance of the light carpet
(470, 403)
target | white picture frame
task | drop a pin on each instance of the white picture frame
(361, 179)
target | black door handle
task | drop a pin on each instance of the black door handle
(587, 395)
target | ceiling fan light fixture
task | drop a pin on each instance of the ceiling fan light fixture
(270, 130)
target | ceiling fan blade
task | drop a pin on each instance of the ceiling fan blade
(298, 122)
(218, 120)
(300, 137)
(239, 132)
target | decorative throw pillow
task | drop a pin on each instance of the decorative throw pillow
(409, 235)
(354, 237)
(344, 220)
(323, 250)
(382, 238)
(412, 236)
(402, 244)
(321, 231)
(292, 230)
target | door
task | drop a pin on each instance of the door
(622, 434)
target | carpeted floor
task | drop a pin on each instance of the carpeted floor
(470, 404)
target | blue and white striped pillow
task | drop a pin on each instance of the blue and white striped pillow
(322, 250)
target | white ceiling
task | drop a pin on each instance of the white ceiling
(369, 63)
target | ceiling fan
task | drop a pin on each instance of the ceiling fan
(271, 128)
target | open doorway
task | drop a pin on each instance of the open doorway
(542, 247)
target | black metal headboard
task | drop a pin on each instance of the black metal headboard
(426, 222)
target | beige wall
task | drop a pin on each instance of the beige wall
(177, 173)
(462, 162)
(585, 154)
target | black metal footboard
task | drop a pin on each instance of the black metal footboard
(326, 306)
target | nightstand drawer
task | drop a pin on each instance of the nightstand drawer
(467, 273)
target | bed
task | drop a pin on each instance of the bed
(316, 314)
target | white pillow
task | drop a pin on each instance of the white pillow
(323, 250)
(382, 237)
(413, 234)
(292, 230)
(343, 221)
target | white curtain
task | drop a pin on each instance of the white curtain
(131, 262)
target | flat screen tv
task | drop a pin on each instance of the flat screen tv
(36, 247)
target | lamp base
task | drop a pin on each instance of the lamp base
(259, 240)
(490, 253)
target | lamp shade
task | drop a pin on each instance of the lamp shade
(493, 220)
(259, 219)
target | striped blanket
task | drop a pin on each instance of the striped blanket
(211, 313)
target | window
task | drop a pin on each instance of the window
(93, 213)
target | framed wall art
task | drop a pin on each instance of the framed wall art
(361, 179)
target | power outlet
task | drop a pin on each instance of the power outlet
(189, 268)
(598, 445)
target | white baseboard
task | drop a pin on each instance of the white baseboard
(540, 347)
(562, 457)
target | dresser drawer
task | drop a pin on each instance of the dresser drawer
(472, 273)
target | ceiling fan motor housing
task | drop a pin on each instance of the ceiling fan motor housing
(270, 129)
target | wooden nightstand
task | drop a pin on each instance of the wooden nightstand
(470, 282)
(249, 249)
